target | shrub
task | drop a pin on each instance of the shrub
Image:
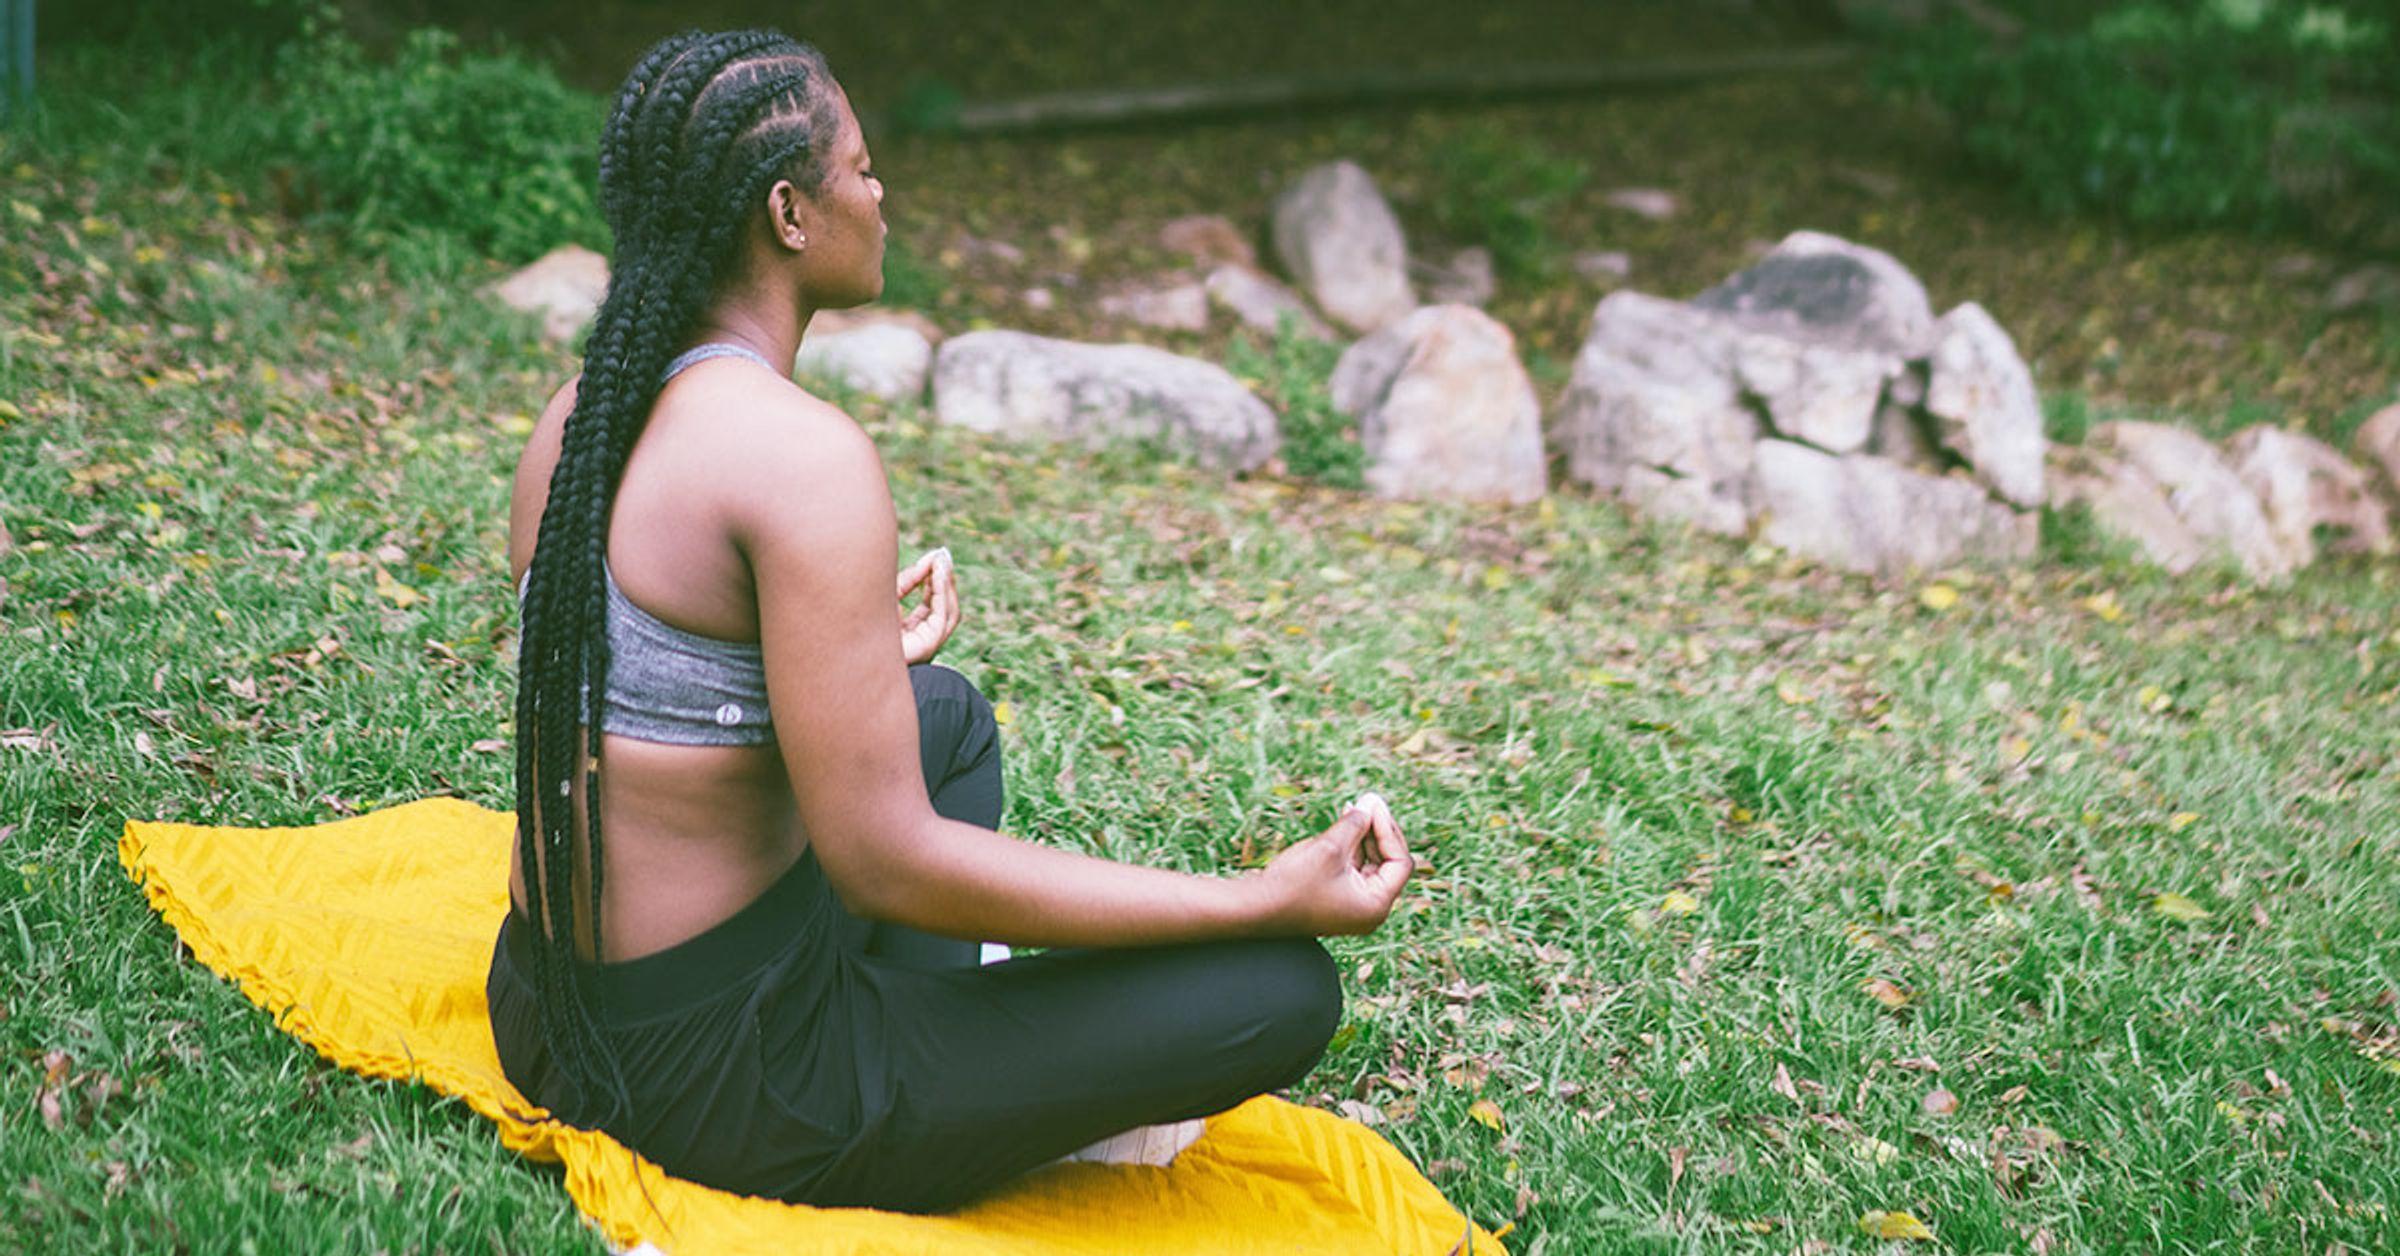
(2251, 112)
(1499, 190)
(489, 149)
(1319, 442)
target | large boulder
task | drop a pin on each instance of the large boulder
(1865, 513)
(1034, 387)
(565, 286)
(1820, 326)
(1444, 408)
(2379, 443)
(2304, 485)
(883, 359)
(2219, 512)
(1178, 306)
(1342, 244)
(1981, 394)
(1652, 399)
(2126, 503)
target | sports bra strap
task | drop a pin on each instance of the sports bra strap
(713, 349)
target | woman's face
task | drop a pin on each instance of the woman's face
(843, 262)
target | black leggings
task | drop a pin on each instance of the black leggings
(799, 1052)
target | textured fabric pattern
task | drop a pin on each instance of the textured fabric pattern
(369, 938)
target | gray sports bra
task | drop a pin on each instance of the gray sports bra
(669, 685)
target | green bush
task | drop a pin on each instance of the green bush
(1500, 190)
(1292, 373)
(487, 149)
(2247, 112)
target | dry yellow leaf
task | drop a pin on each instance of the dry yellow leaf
(1678, 903)
(394, 592)
(1893, 1225)
(1874, 1150)
(1003, 713)
(1788, 689)
(1938, 597)
(2015, 750)
(2182, 820)
(2177, 907)
(1487, 1113)
(1886, 993)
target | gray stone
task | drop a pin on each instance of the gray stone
(1261, 303)
(1444, 409)
(1604, 265)
(2304, 485)
(1821, 288)
(1865, 513)
(1342, 244)
(2204, 493)
(1208, 238)
(1821, 393)
(1655, 204)
(1034, 387)
(1174, 307)
(2378, 442)
(1653, 388)
(1982, 395)
(2125, 502)
(886, 359)
(1900, 436)
(565, 286)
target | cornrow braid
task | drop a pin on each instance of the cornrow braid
(702, 125)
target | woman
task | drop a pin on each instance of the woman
(772, 813)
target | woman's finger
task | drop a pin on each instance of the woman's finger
(914, 574)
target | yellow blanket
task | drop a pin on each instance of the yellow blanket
(368, 939)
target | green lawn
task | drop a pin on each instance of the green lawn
(2122, 851)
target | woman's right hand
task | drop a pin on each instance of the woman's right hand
(1343, 880)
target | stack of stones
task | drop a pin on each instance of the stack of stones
(1812, 399)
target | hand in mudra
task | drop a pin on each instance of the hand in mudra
(1345, 879)
(924, 628)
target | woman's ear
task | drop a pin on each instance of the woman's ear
(787, 215)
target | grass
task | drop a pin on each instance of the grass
(2122, 848)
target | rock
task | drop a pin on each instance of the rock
(1468, 279)
(1604, 266)
(834, 322)
(1655, 204)
(2304, 485)
(1040, 300)
(1176, 307)
(1034, 387)
(884, 359)
(1207, 238)
(2378, 442)
(1822, 288)
(1261, 303)
(1653, 388)
(1982, 396)
(565, 286)
(1444, 409)
(2367, 288)
(2204, 493)
(1865, 513)
(1900, 436)
(1828, 323)
(2125, 502)
(1341, 243)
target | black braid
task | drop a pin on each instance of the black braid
(703, 124)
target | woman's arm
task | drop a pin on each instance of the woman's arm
(815, 520)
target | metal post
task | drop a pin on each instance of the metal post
(16, 55)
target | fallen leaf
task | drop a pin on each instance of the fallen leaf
(1782, 1084)
(1874, 1150)
(1893, 1225)
(1884, 992)
(1487, 1113)
(1003, 714)
(1940, 1102)
(1678, 903)
(401, 596)
(1363, 1113)
(1938, 597)
(2182, 820)
(2177, 907)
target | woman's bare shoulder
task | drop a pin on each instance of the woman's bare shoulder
(534, 465)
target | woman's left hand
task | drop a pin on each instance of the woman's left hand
(925, 628)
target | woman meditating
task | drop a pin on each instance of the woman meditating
(755, 856)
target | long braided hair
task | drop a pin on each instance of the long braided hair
(702, 127)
